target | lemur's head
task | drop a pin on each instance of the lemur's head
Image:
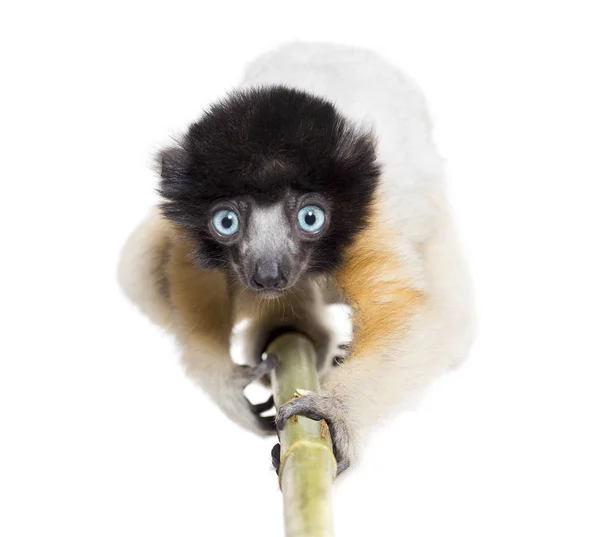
(271, 184)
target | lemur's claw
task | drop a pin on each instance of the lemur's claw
(320, 407)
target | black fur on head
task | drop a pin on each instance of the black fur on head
(264, 146)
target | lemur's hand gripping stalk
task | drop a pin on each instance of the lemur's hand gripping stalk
(307, 466)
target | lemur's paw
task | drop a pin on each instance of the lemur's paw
(245, 374)
(321, 407)
(245, 412)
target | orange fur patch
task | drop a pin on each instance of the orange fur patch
(372, 281)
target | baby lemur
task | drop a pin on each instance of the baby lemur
(316, 178)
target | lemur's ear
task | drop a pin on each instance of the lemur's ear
(171, 163)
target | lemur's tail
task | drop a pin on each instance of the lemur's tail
(141, 271)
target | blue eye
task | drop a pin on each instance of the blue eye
(226, 222)
(311, 218)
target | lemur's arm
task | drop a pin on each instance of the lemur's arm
(157, 273)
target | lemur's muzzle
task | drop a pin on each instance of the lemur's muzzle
(269, 274)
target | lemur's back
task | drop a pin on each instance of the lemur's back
(366, 89)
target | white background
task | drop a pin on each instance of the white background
(101, 433)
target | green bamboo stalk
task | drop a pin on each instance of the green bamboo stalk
(307, 468)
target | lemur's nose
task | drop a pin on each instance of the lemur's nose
(268, 275)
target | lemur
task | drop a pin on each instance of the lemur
(315, 180)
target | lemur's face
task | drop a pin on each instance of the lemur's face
(272, 185)
(270, 246)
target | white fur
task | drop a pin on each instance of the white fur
(141, 254)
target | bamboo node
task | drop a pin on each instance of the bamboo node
(306, 443)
